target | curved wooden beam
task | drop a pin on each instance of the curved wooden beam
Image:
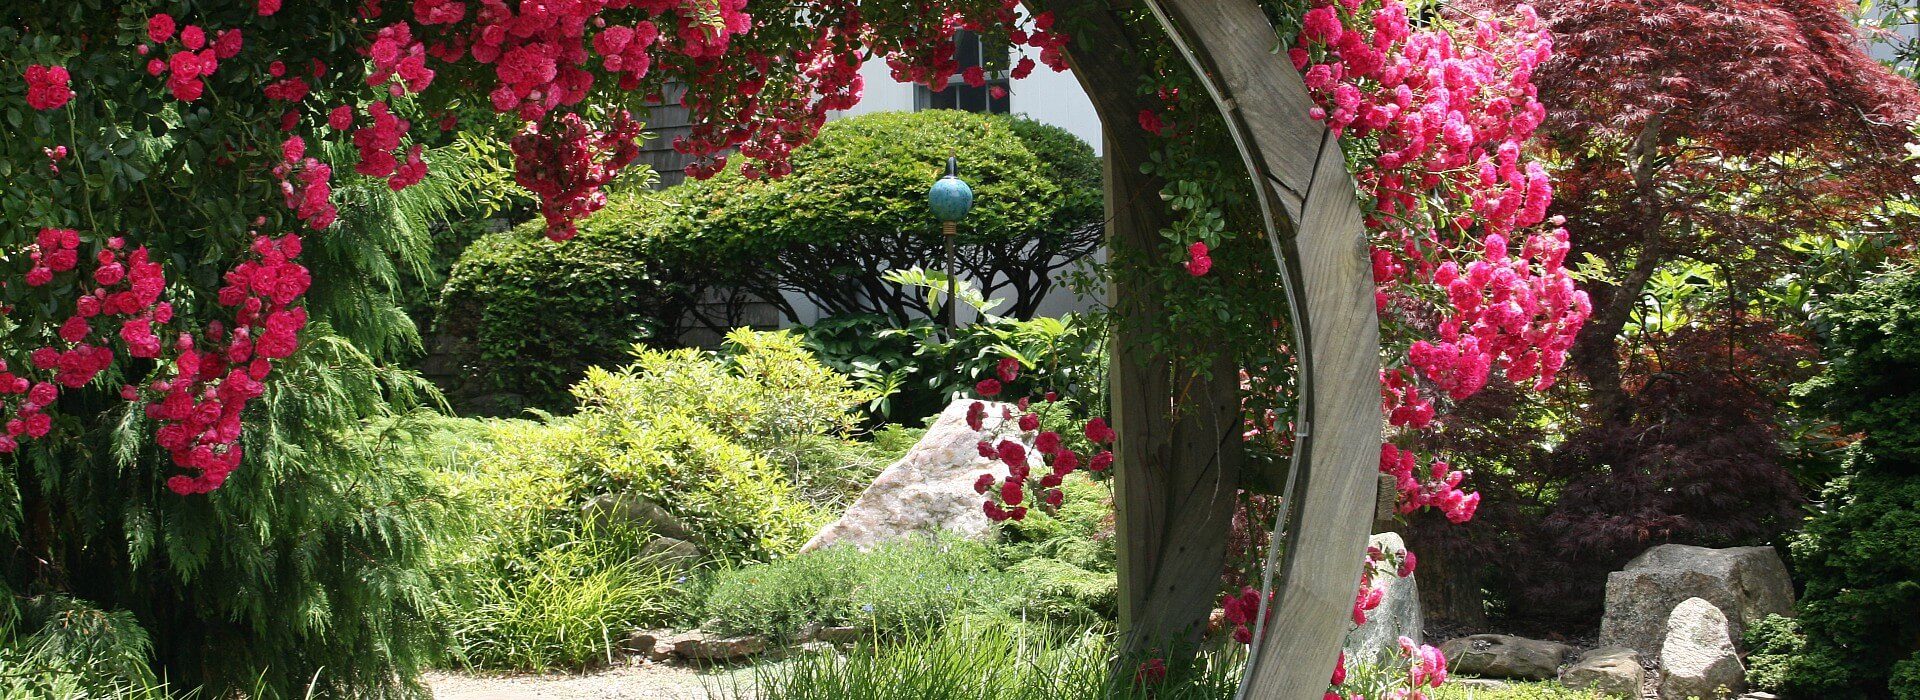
(1314, 224)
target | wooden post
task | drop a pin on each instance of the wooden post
(1315, 226)
(1176, 469)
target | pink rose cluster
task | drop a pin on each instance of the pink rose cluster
(1007, 497)
(119, 303)
(1242, 610)
(1518, 313)
(1437, 119)
(568, 163)
(1437, 487)
(306, 184)
(48, 87)
(188, 67)
(379, 142)
(200, 407)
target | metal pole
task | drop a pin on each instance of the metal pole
(948, 229)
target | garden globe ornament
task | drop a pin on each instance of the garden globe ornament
(951, 199)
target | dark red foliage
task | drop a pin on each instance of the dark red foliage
(1699, 461)
(1739, 76)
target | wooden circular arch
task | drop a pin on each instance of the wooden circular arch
(1319, 241)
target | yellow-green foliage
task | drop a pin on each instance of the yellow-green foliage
(705, 435)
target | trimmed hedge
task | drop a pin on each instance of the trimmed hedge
(855, 206)
(534, 314)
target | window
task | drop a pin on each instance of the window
(970, 50)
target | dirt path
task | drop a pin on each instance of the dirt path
(636, 682)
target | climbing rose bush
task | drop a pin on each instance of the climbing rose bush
(295, 116)
(1033, 476)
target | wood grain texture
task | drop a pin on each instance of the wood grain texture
(1176, 470)
(1320, 240)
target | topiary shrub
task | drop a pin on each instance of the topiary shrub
(1860, 554)
(855, 207)
(531, 315)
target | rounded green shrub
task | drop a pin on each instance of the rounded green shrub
(855, 207)
(531, 314)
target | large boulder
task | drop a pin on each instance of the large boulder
(1746, 583)
(628, 509)
(929, 491)
(1398, 615)
(1505, 656)
(1613, 671)
(1697, 658)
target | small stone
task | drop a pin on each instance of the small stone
(700, 648)
(662, 651)
(1615, 671)
(671, 553)
(639, 642)
(1697, 659)
(1505, 656)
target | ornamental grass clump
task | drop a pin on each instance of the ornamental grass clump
(990, 659)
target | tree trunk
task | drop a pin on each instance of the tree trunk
(1450, 584)
(1596, 351)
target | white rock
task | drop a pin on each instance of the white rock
(929, 491)
(1697, 659)
(1398, 615)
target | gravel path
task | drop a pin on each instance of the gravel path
(648, 681)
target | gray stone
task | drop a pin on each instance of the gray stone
(1697, 658)
(1615, 671)
(813, 648)
(1505, 656)
(695, 647)
(927, 492)
(1398, 615)
(672, 553)
(628, 509)
(1746, 583)
(640, 642)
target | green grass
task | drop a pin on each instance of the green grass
(1515, 690)
(895, 587)
(980, 658)
(569, 606)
